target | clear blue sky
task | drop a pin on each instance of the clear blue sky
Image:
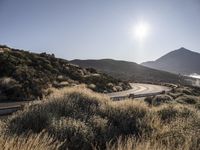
(87, 29)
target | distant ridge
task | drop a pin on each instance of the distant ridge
(181, 61)
(128, 70)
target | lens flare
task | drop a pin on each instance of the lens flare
(141, 30)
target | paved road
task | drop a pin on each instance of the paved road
(140, 89)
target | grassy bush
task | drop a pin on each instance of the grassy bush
(31, 119)
(172, 112)
(29, 141)
(186, 99)
(10, 89)
(175, 95)
(130, 143)
(130, 117)
(159, 99)
(76, 133)
(184, 90)
(80, 119)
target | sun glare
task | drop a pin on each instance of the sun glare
(141, 30)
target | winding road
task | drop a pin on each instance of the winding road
(140, 90)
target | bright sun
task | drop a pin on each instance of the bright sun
(141, 30)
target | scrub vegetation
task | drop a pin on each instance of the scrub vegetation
(78, 118)
(27, 76)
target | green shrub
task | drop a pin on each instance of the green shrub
(10, 89)
(159, 99)
(186, 99)
(184, 90)
(175, 95)
(100, 127)
(170, 113)
(76, 133)
(127, 118)
(33, 119)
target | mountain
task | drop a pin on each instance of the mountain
(27, 76)
(181, 61)
(128, 70)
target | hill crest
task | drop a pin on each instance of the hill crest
(26, 76)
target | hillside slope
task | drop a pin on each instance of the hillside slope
(128, 70)
(26, 76)
(178, 61)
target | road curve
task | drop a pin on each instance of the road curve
(140, 89)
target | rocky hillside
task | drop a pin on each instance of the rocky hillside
(181, 61)
(27, 76)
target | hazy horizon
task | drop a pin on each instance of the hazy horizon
(128, 30)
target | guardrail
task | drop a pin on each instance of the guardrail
(9, 110)
(132, 96)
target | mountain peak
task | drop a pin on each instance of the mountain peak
(180, 50)
(183, 49)
(182, 61)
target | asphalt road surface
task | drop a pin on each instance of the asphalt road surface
(140, 89)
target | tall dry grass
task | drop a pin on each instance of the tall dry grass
(80, 119)
(29, 141)
(132, 143)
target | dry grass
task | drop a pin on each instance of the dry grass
(80, 119)
(29, 141)
(131, 143)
